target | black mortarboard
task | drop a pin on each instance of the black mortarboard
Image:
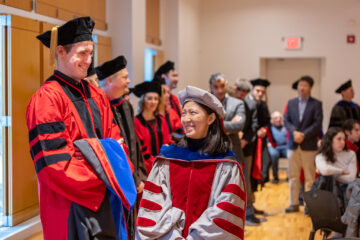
(91, 69)
(159, 80)
(76, 30)
(110, 67)
(295, 84)
(260, 82)
(165, 68)
(146, 87)
(344, 86)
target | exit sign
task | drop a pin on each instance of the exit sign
(293, 43)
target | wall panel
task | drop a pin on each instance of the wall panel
(25, 80)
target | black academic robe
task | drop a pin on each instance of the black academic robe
(342, 111)
(124, 118)
(263, 117)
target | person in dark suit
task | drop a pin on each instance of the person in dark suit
(303, 120)
(234, 119)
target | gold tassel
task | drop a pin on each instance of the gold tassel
(53, 45)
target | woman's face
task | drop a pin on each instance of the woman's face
(196, 120)
(151, 101)
(338, 142)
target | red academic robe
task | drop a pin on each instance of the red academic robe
(173, 122)
(59, 113)
(151, 137)
(175, 104)
(193, 196)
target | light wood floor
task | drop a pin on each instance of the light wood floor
(273, 198)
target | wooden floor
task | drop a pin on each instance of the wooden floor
(273, 198)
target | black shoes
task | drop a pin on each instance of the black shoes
(252, 220)
(257, 211)
(292, 208)
(275, 181)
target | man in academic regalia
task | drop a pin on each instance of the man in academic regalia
(345, 108)
(262, 156)
(114, 80)
(172, 118)
(84, 176)
(169, 73)
(242, 89)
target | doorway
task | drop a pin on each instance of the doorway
(282, 72)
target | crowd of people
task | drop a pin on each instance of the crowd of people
(181, 167)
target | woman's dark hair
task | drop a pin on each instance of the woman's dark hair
(326, 143)
(216, 141)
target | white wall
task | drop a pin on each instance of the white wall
(235, 34)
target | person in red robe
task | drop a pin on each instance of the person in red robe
(150, 127)
(172, 118)
(196, 188)
(74, 202)
(168, 72)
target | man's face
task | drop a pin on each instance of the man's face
(354, 134)
(277, 119)
(259, 92)
(119, 82)
(171, 78)
(348, 94)
(304, 89)
(219, 88)
(76, 62)
(240, 94)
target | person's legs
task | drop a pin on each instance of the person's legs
(308, 162)
(275, 155)
(250, 199)
(294, 174)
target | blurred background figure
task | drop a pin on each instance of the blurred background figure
(279, 135)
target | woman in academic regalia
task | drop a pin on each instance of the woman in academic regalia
(150, 127)
(195, 189)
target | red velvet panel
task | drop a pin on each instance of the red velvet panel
(229, 227)
(150, 205)
(235, 189)
(152, 187)
(145, 222)
(231, 208)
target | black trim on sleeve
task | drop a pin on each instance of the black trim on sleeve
(51, 159)
(46, 128)
(47, 145)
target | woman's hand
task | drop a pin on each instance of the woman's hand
(344, 172)
(140, 188)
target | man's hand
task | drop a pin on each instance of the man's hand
(243, 143)
(240, 134)
(236, 118)
(140, 188)
(298, 137)
(261, 133)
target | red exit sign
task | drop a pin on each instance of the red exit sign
(293, 43)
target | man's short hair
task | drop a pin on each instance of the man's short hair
(243, 85)
(348, 125)
(216, 77)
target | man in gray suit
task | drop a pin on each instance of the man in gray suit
(235, 118)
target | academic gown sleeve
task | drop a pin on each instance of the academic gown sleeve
(157, 218)
(224, 217)
(53, 151)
